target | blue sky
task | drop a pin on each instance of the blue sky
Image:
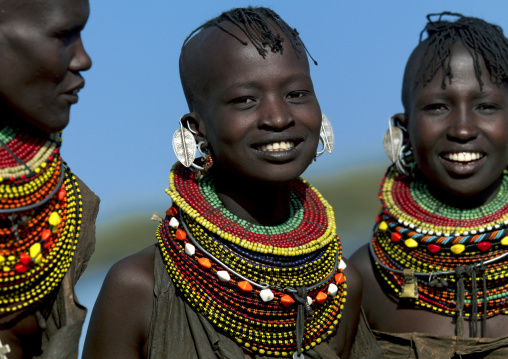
(119, 138)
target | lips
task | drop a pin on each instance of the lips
(463, 157)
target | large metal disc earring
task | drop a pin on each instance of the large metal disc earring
(184, 145)
(393, 142)
(326, 136)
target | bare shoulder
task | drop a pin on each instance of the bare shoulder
(120, 321)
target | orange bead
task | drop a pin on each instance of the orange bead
(46, 234)
(180, 234)
(171, 212)
(61, 194)
(321, 297)
(339, 278)
(204, 263)
(287, 300)
(245, 286)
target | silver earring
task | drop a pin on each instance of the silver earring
(393, 142)
(185, 147)
(326, 136)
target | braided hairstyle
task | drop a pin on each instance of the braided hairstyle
(434, 53)
(262, 27)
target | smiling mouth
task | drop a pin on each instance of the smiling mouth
(463, 156)
(277, 146)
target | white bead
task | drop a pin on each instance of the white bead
(482, 230)
(173, 222)
(489, 228)
(266, 295)
(223, 276)
(497, 226)
(190, 249)
(342, 265)
(438, 234)
(447, 234)
(431, 233)
(332, 289)
(418, 230)
(411, 225)
(473, 231)
(466, 233)
(309, 300)
(406, 223)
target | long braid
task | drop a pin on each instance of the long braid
(261, 26)
(478, 36)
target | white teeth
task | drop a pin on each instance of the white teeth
(463, 156)
(277, 146)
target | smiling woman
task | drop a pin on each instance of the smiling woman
(44, 208)
(437, 262)
(247, 263)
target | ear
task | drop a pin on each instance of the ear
(194, 122)
(402, 119)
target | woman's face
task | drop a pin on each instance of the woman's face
(459, 134)
(41, 56)
(262, 116)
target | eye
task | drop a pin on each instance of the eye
(487, 108)
(242, 100)
(68, 36)
(297, 94)
(435, 108)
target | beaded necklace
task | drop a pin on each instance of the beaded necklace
(255, 283)
(40, 218)
(449, 260)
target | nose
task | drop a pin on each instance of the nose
(463, 127)
(80, 61)
(275, 115)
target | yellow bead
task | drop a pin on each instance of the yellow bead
(458, 248)
(35, 250)
(411, 243)
(38, 259)
(54, 219)
(383, 226)
(504, 241)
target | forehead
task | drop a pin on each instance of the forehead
(215, 58)
(44, 12)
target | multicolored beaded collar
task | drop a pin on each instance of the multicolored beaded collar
(421, 245)
(251, 282)
(40, 218)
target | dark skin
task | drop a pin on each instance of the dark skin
(440, 122)
(246, 103)
(43, 52)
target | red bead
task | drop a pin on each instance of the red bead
(378, 218)
(45, 234)
(396, 236)
(484, 246)
(433, 248)
(24, 258)
(20, 268)
(47, 244)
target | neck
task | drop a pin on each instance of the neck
(466, 202)
(258, 203)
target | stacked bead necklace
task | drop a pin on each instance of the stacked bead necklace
(40, 218)
(252, 282)
(455, 260)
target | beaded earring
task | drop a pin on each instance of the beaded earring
(326, 136)
(185, 147)
(397, 151)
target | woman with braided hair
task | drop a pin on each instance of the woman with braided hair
(435, 271)
(247, 263)
(47, 215)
